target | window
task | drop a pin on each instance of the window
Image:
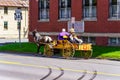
(89, 8)
(64, 9)
(43, 9)
(115, 9)
(89, 40)
(5, 10)
(119, 41)
(114, 41)
(5, 25)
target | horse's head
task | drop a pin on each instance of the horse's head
(34, 33)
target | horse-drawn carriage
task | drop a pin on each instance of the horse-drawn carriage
(67, 49)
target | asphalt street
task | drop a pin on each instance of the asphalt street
(19, 66)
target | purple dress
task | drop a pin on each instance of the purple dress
(60, 36)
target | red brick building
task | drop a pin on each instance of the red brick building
(101, 18)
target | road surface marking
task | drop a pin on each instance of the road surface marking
(67, 69)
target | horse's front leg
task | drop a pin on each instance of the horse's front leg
(38, 47)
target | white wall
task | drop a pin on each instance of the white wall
(12, 31)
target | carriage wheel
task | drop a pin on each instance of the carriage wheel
(68, 50)
(86, 54)
(48, 50)
(54, 42)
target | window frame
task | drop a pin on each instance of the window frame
(64, 10)
(5, 25)
(88, 39)
(89, 10)
(44, 8)
(114, 41)
(5, 10)
(114, 10)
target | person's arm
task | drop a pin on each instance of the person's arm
(59, 37)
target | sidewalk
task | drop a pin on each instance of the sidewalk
(3, 41)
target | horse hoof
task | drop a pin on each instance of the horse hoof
(36, 54)
(39, 53)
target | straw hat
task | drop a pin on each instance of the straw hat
(72, 30)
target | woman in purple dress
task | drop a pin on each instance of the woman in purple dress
(63, 35)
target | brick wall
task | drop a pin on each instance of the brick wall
(102, 25)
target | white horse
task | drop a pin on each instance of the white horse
(40, 39)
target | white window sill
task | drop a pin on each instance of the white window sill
(67, 19)
(90, 19)
(114, 19)
(43, 20)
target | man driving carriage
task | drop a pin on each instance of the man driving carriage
(73, 37)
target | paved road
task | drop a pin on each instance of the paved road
(30, 67)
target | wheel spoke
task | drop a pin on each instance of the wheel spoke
(48, 50)
(86, 54)
(68, 50)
